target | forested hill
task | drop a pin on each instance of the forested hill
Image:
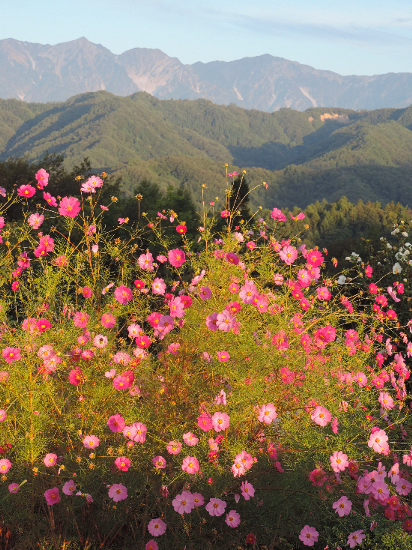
(303, 156)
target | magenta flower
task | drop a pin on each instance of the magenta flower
(198, 499)
(183, 503)
(223, 356)
(174, 447)
(91, 442)
(5, 465)
(50, 459)
(118, 492)
(52, 496)
(116, 423)
(123, 463)
(87, 292)
(176, 257)
(26, 191)
(216, 507)
(309, 535)
(69, 207)
(11, 354)
(156, 527)
(205, 293)
(225, 213)
(339, 461)
(80, 319)
(232, 519)
(190, 465)
(321, 416)
(267, 413)
(143, 342)
(220, 421)
(76, 376)
(159, 462)
(204, 422)
(277, 215)
(49, 199)
(123, 294)
(13, 487)
(152, 545)
(108, 320)
(69, 487)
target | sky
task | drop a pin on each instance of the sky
(362, 37)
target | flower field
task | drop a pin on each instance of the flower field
(232, 392)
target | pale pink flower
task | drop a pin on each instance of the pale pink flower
(339, 461)
(3, 415)
(288, 254)
(205, 293)
(232, 519)
(69, 487)
(216, 507)
(156, 527)
(141, 430)
(198, 499)
(174, 447)
(183, 503)
(356, 538)
(267, 413)
(309, 535)
(403, 487)
(5, 465)
(100, 341)
(146, 261)
(343, 506)
(225, 321)
(220, 421)
(91, 442)
(35, 220)
(211, 321)
(378, 441)
(52, 496)
(386, 400)
(321, 416)
(158, 286)
(190, 465)
(190, 439)
(118, 492)
(247, 490)
(50, 459)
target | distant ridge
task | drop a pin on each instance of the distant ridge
(44, 73)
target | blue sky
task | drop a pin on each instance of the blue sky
(345, 36)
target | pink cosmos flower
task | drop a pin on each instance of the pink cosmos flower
(339, 461)
(288, 254)
(248, 292)
(50, 459)
(152, 545)
(52, 496)
(386, 400)
(343, 506)
(108, 320)
(277, 215)
(314, 258)
(174, 348)
(190, 465)
(183, 503)
(156, 527)
(318, 477)
(309, 535)
(225, 321)
(403, 487)
(321, 416)
(159, 462)
(323, 293)
(42, 177)
(11, 354)
(205, 293)
(14, 487)
(280, 341)
(80, 319)
(267, 413)
(146, 261)
(247, 490)
(91, 442)
(143, 341)
(220, 421)
(123, 294)
(49, 199)
(3, 415)
(211, 321)
(123, 463)
(141, 430)
(158, 286)
(5, 465)
(26, 191)
(204, 422)
(69, 487)
(190, 439)
(378, 441)
(356, 538)
(35, 220)
(232, 519)
(176, 257)
(216, 507)
(225, 213)
(223, 356)
(174, 447)
(100, 341)
(69, 207)
(198, 499)
(118, 492)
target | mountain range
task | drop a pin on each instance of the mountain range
(44, 73)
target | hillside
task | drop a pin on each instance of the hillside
(303, 156)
